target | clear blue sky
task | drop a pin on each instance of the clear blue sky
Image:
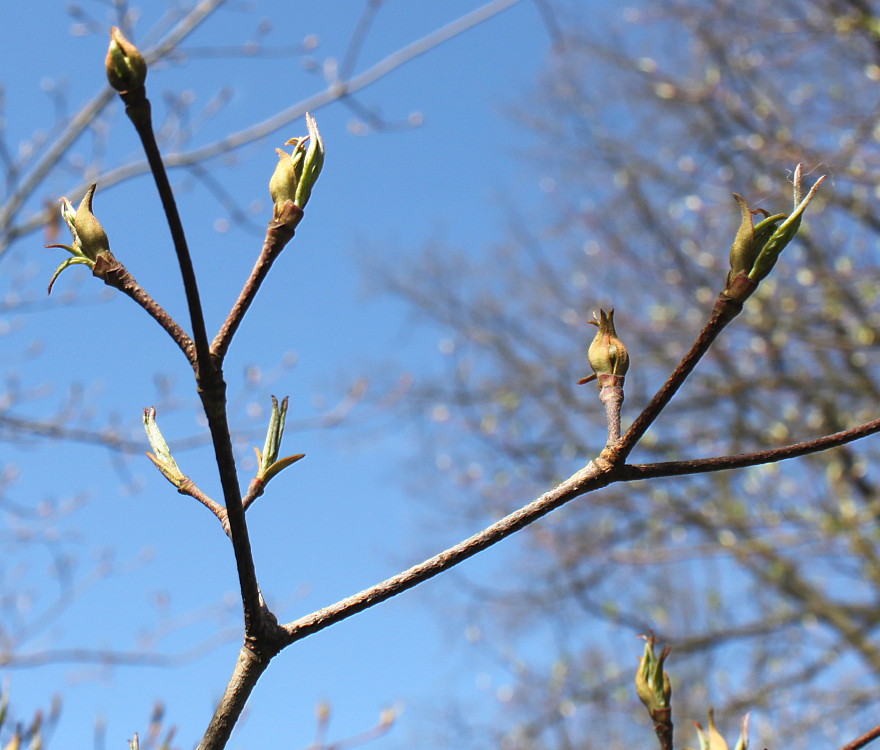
(341, 519)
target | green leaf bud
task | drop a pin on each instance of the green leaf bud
(785, 232)
(162, 458)
(312, 164)
(607, 354)
(89, 240)
(652, 682)
(125, 66)
(742, 251)
(712, 739)
(296, 173)
(756, 248)
(92, 237)
(269, 463)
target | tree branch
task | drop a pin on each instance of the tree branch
(632, 472)
(723, 312)
(189, 488)
(593, 476)
(114, 274)
(278, 234)
(866, 738)
(138, 109)
(213, 395)
(248, 669)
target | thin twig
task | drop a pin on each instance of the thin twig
(138, 109)
(189, 488)
(255, 489)
(723, 312)
(278, 234)
(107, 657)
(866, 738)
(213, 396)
(357, 38)
(594, 476)
(114, 274)
(209, 374)
(632, 472)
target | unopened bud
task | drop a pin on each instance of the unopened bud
(743, 251)
(607, 354)
(125, 66)
(322, 712)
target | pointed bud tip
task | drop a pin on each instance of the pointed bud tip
(91, 235)
(86, 202)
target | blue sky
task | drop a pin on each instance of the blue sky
(341, 519)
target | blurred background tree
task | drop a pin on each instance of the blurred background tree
(766, 582)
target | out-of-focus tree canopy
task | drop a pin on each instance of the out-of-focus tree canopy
(766, 581)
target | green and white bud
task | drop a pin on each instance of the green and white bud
(296, 173)
(162, 458)
(652, 682)
(757, 247)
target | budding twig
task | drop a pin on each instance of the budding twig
(114, 274)
(610, 360)
(278, 234)
(125, 74)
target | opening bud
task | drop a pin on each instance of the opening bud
(267, 460)
(125, 66)
(652, 682)
(89, 238)
(757, 247)
(161, 458)
(712, 739)
(296, 173)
